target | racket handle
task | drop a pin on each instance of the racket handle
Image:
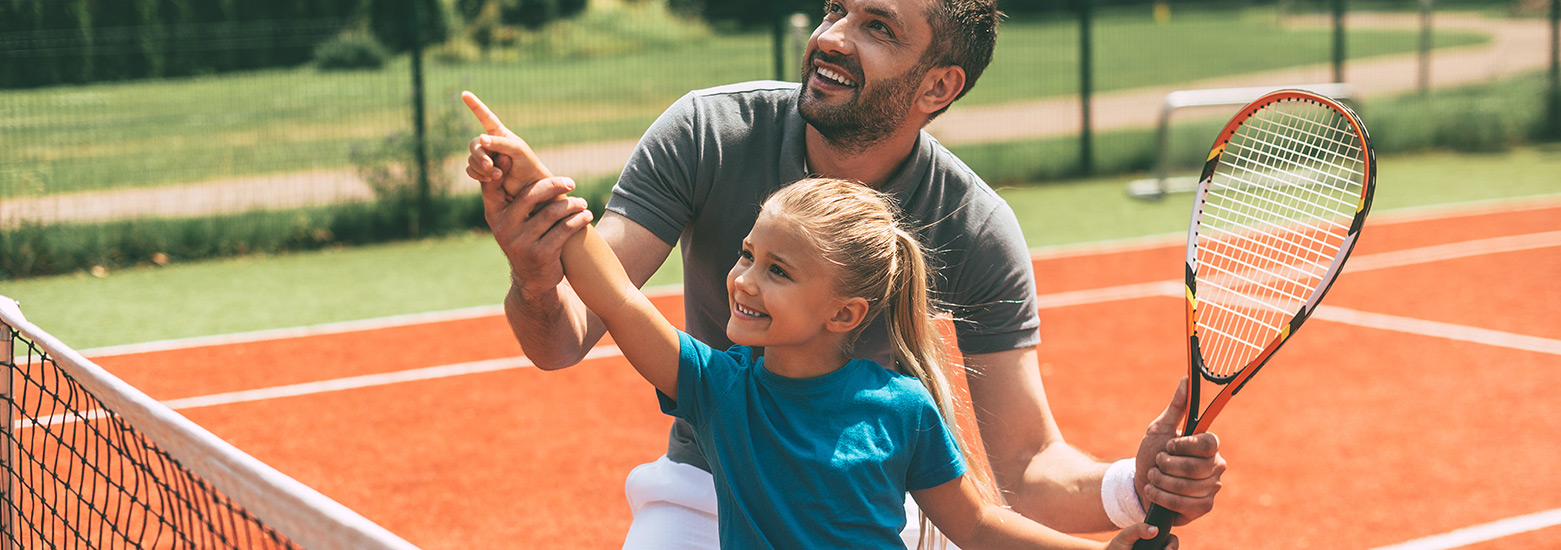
(1161, 518)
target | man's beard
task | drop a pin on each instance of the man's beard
(872, 113)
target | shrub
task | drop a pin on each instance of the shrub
(350, 50)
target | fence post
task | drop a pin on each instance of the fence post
(1424, 77)
(1086, 85)
(1555, 69)
(778, 38)
(422, 215)
(1338, 40)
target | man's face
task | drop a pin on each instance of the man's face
(862, 69)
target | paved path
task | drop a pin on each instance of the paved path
(1517, 46)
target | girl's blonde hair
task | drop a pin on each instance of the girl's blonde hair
(857, 229)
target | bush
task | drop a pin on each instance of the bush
(31, 250)
(1480, 128)
(597, 32)
(350, 50)
(1476, 119)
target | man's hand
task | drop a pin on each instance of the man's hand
(528, 211)
(1179, 473)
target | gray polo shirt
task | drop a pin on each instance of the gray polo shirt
(699, 174)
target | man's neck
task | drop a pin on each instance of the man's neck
(872, 166)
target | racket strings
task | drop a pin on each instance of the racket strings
(1277, 213)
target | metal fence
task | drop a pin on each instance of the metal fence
(277, 139)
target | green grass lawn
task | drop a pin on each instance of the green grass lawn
(129, 134)
(253, 293)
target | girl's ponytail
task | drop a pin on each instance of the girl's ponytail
(919, 351)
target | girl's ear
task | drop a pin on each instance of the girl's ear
(851, 313)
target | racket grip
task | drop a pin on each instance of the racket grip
(1160, 517)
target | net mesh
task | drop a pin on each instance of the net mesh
(79, 474)
(1279, 208)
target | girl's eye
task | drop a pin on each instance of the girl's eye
(777, 271)
(745, 256)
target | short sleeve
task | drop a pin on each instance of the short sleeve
(656, 187)
(704, 375)
(995, 307)
(693, 360)
(937, 459)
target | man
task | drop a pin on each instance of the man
(875, 73)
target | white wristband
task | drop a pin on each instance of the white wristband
(1119, 495)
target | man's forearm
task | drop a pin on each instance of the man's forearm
(1060, 488)
(551, 327)
(1039, 473)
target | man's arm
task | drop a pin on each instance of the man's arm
(1046, 479)
(1041, 476)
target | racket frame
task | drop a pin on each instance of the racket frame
(1199, 422)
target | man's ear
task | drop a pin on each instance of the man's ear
(851, 314)
(940, 87)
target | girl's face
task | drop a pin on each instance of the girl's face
(782, 292)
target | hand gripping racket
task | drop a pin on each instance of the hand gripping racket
(1280, 205)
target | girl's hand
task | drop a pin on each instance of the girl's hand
(1133, 533)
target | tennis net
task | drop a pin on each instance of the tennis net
(91, 462)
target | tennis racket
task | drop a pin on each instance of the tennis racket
(1279, 206)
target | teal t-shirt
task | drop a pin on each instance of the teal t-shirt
(819, 462)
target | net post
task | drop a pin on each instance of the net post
(8, 522)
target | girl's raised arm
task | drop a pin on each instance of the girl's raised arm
(645, 337)
(641, 332)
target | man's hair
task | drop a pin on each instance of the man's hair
(964, 33)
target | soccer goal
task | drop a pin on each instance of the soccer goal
(1161, 183)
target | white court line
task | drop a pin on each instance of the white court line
(377, 323)
(1377, 219)
(1481, 533)
(1111, 294)
(323, 386)
(1452, 251)
(371, 380)
(1463, 333)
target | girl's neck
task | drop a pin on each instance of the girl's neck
(804, 361)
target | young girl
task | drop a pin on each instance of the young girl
(810, 449)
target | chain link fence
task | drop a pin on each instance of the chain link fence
(119, 171)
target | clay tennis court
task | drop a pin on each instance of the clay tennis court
(1418, 402)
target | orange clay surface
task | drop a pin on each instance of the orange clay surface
(1352, 437)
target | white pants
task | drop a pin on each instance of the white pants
(674, 508)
